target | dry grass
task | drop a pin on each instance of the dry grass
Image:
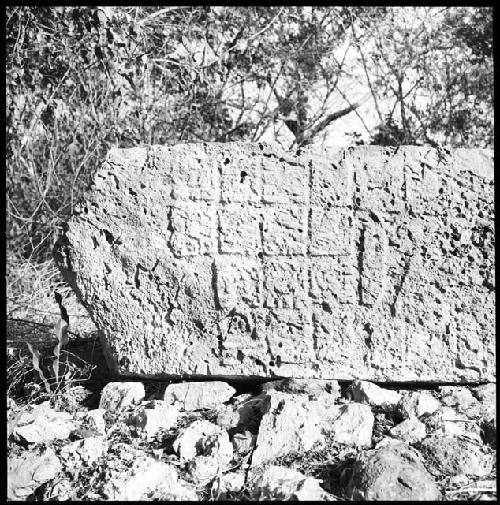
(32, 313)
(30, 295)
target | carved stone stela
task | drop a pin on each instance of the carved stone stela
(242, 259)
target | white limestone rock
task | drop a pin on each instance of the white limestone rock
(353, 425)
(118, 395)
(198, 395)
(244, 442)
(417, 403)
(228, 484)
(371, 394)
(445, 421)
(286, 484)
(293, 423)
(27, 472)
(206, 448)
(42, 424)
(485, 392)
(87, 450)
(94, 419)
(410, 430)
(243, 413)
(152, 420)
(146, 479)
(462, 400)
(449, 456)
(314, 388)
(385, 441)
(393, 472)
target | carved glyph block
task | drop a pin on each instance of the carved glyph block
(243, 259)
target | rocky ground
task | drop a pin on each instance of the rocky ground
(293, 440)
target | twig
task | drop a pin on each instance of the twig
(45, 325)
(162, 11)
(472, 490)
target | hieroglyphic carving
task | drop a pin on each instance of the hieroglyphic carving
(244, 259)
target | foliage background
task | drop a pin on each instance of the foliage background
(80, 80)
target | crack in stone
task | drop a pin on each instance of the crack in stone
(361, 250)
(399, 286)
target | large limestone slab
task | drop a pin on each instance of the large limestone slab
(241, 259)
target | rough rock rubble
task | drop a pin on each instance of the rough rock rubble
(294, 440)
(243, 259)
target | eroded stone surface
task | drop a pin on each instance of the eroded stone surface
(206, 448)
(152, 420)
(454, 456)
(462, 400)
(417, 403)
(286, 484)
(87, 450)
(245, 413)
(394, 472)
(293, 423)
(118, 395)
(446, 421)
(198, 395)
(367, 392)
(147, 478)
(409, 431)
(243, 259)
(197, 459)
(42, 424)
(314, 388)
(30, 470)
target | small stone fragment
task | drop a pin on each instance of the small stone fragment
(63, 490)
(489, 431)
(485, 392)
(410, 430)
(228, 483)
(118, 395)
(152, 420)
(462, 400)
(371, 394)
(385, 441)
(27, 472)
(95, 419)
(42, 424)
(454, 456)
(146, 479)
(487, 395)
(394, 472)
(206, 447)
(201, 469)
(281, 483)
(87, 450)
(291, 423)
(244, 414)
(353, 426)
(198, 395)
(459, 480)
(314, 388)
(243, 443)
(417, 403)
(200, 438)
(445, 421)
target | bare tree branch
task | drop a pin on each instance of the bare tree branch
(166, 10)
(363, 61)
(333, 117)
